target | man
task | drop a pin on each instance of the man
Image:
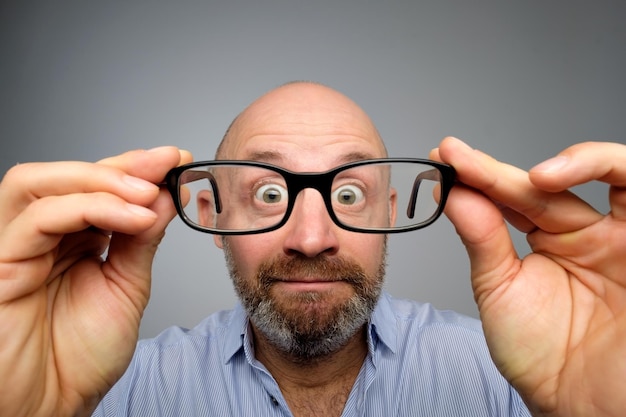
(313, 336)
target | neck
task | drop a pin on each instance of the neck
(293, 374)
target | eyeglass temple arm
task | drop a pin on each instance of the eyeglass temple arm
(431, 174)
(190, 176)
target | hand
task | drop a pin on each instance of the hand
(555, 321)
(69, 320)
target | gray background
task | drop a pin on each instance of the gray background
(519, 80)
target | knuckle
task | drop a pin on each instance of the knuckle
(18, 173)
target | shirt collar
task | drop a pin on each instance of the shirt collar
(382, 328)
(236, 328)
(383, 325)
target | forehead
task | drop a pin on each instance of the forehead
(304, 129)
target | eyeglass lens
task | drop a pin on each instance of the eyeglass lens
(245, 198)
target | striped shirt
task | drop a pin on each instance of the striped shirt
(421, 362)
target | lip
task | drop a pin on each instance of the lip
(308, 285)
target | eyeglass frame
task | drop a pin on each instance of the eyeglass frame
(320, 181)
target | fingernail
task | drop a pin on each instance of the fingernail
(138, 183)
(460, 143)
(552, 164)
(140, 211)
(158, 148)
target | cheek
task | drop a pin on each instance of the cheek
(250, 251)
(366, 249)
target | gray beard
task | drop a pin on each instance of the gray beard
(305, 335)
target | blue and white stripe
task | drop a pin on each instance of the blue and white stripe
(421, 362)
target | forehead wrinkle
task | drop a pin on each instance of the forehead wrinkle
(278, 158)
(272, 157)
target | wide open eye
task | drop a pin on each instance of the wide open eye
(271, 193)
(348, 195)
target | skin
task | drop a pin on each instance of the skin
(555, 321)
(69, 320)
(307, 128)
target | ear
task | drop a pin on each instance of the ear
(206, 214)
(205, 206)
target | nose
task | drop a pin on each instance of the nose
(310, 230)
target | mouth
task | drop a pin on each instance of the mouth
(307, 278)
(308, 284)
(319, 275)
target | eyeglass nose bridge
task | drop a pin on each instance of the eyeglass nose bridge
(297, 182)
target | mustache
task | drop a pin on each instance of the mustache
(322, 268)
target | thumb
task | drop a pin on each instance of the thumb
(130, 257)
(483, 231)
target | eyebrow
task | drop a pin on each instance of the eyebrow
(355, 156)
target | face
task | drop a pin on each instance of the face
(309, 286)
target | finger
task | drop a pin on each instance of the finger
(27, 243)
(517, 220)
(130, 257)
(165, 211)
(90, 242)
(41, 225)
(151, 165)
(484, 233)
(511, 187)
(581, 163)
(25, 183)
(434, 155)
(132, 176)
(585, 162)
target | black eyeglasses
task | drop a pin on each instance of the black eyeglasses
(389, 195)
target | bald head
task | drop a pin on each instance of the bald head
(305, 113)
